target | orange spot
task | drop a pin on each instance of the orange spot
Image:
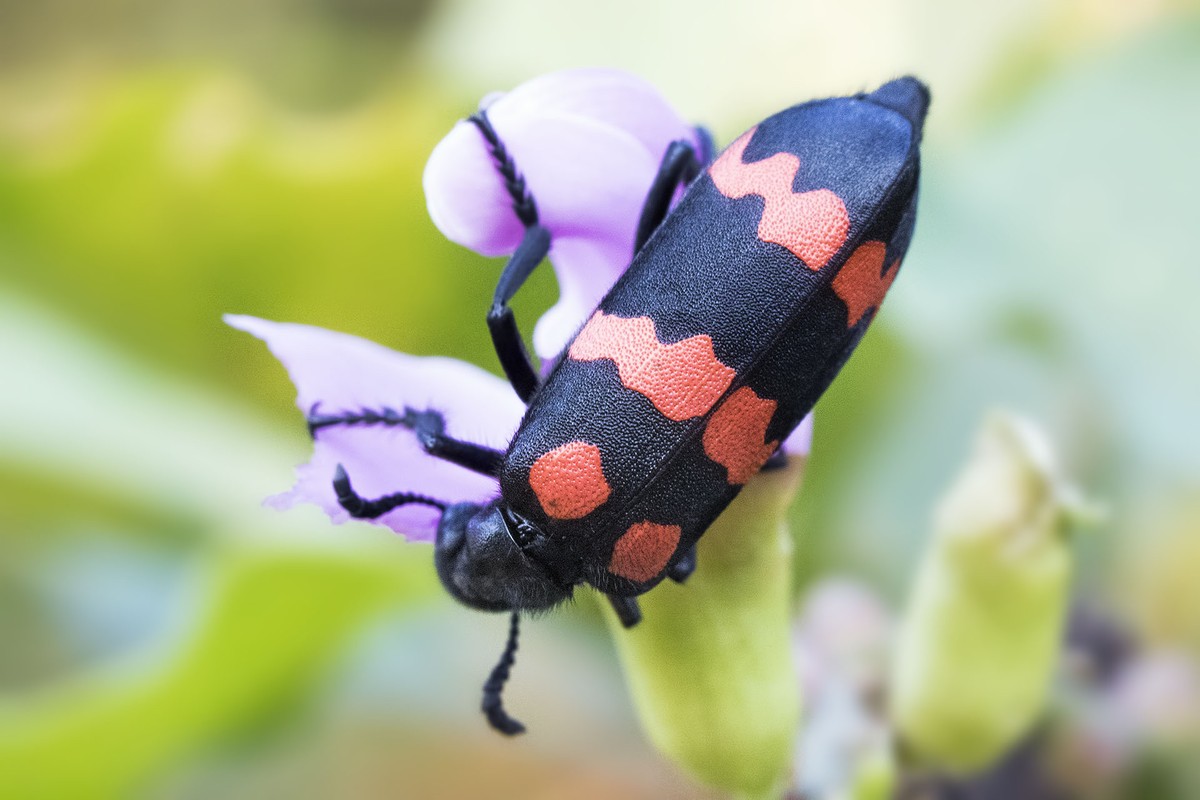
(682, 380)
(643, 551)
(569, 482)
(813, 225)
(861, 283)
(734, 435)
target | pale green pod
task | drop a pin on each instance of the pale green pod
(875, 778)
(710, 665)
(981, 634)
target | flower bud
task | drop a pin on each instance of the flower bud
(710, 665)
(985, 619)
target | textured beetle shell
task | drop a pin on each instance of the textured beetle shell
(719, 338)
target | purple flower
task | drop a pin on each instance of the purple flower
(588, 143)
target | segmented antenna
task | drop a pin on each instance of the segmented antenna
(514, 181)
(493, 705)
(361, 508)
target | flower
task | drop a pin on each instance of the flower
(588, 142)
(841, 643)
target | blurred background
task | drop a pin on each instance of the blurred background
(163, 636)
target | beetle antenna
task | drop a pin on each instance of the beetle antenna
(514, 181)
(361, 508)
(493, 705)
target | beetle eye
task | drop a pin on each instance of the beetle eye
(522, 531)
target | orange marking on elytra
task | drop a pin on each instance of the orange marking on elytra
(734, 435)
(569, 481)
(682, 380)
(813, 225)
(643, 551)
(861, 282)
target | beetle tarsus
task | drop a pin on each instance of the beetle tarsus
(682, 569)
(778, 460)
(627, 610)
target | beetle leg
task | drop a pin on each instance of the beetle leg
(506, 337)
(679, 165)
(682, 569)
(627, 610)
(708, 148)
(361, 508)
(429, 427)
(778, 460)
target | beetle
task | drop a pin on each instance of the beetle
(739, 307)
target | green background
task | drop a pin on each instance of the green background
(161, 163)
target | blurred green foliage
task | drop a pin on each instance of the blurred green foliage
(161, 164)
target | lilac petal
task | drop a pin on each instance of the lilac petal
(799, 441)
(588, 142)
(586, 270)
(344, 373)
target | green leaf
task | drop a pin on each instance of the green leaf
(270, 626)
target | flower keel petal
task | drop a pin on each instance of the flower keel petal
(588, 142)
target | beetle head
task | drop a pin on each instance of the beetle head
(482, 557)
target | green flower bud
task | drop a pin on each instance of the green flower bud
(981, 635)
(710, 665)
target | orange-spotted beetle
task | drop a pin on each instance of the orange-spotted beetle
(741, 304)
